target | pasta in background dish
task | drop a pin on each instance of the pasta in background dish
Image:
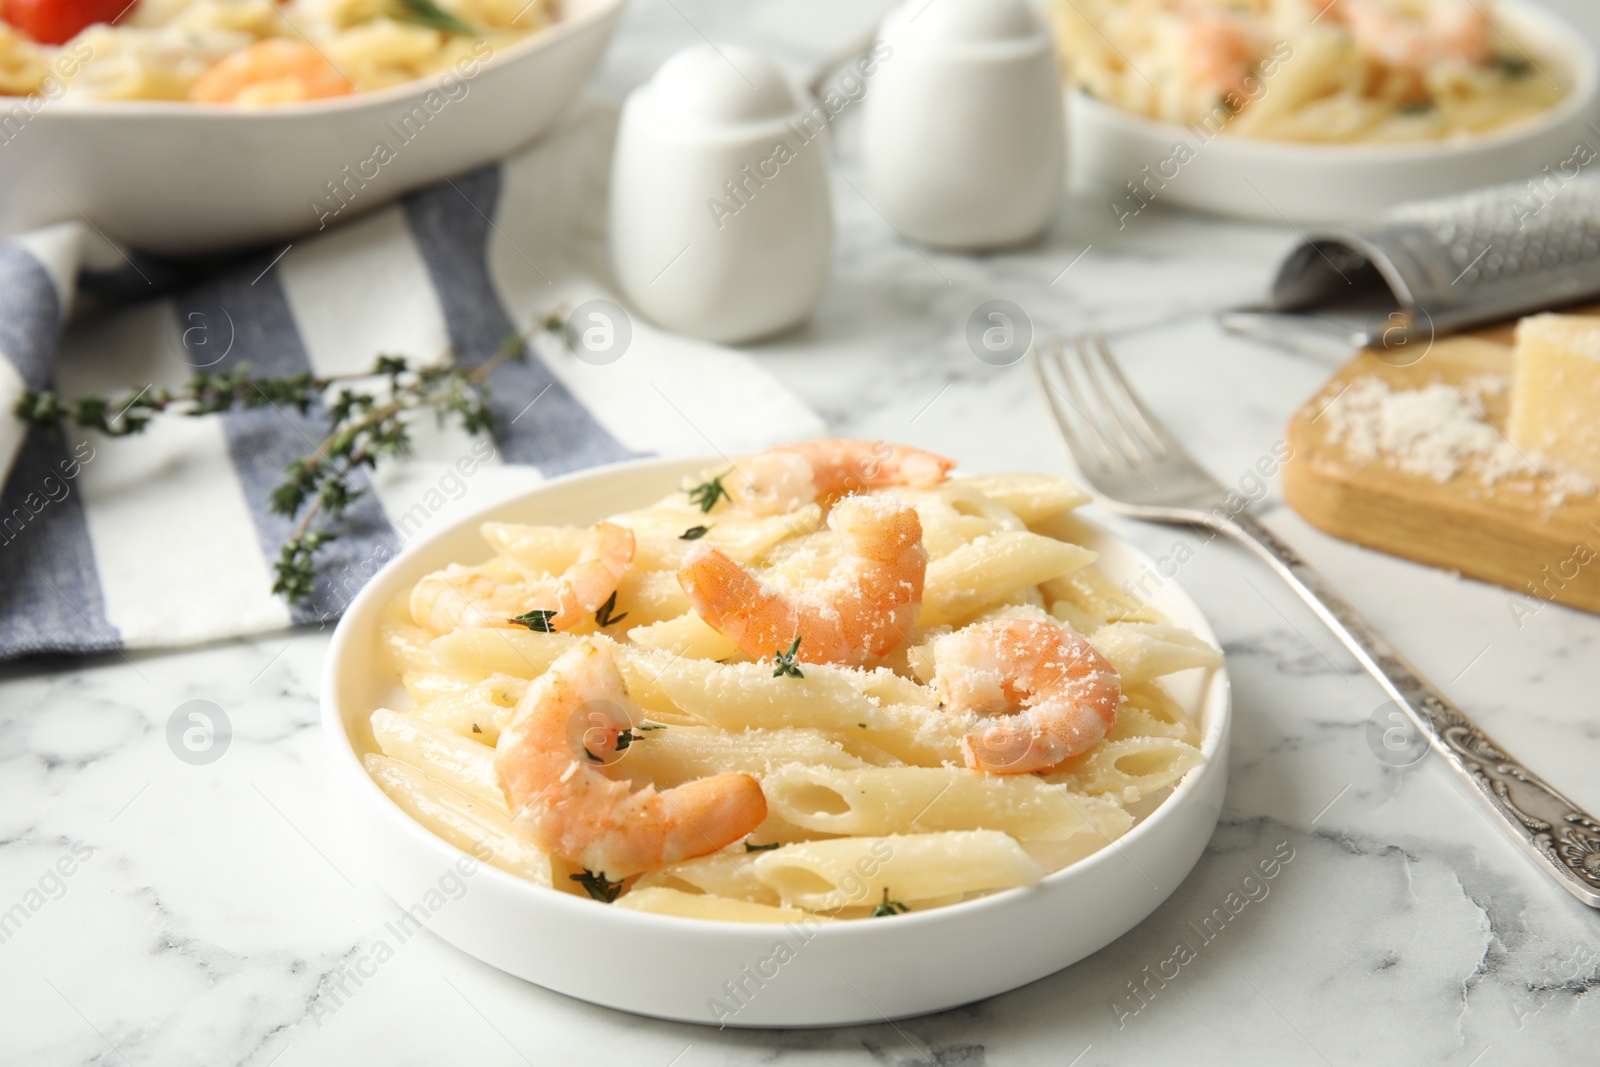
(1307, 70)
(249, 52)
(803, 688)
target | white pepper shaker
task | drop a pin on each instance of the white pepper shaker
(964, 135)
(721, 218)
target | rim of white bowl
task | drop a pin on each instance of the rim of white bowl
(563, 28)
(1580, 63)
(347, 758)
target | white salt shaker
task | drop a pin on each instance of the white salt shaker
(721, 217)
(964, 135)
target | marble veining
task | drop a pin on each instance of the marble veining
(153, 911)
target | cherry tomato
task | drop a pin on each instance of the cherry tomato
(58, 21)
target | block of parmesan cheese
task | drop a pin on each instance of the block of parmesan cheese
(1555, 395)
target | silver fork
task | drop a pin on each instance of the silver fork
(1138, 469)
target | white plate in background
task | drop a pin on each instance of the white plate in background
(177, 178)
(1270, 181)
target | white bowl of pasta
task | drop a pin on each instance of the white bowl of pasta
(192, 177)
(884, 879)
(1294, 142)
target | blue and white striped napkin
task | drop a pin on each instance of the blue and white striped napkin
(165, 538)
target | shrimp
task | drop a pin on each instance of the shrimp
(460, 596)
(549, 762)
(1222, 52)
(1068, 693)
(790, 476)
(1418, 33)
(860, 613)
(272, 71)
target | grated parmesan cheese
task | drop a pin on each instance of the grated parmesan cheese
(1439, 431)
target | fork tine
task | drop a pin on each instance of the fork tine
(1091, 350)
(1133, 408)
(1093, 441)
(1159, 479)
(1074, 398)
(1066, 421)
(1093, 415)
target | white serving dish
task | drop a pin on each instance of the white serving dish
(670, 967)
(1334, 182)
(176, 178)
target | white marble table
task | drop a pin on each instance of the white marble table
(215, 900)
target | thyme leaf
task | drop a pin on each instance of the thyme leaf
(429, 14)
(596, 885)
(888, 907)
(706, 494)
(784, 664)
(694, 533)
(603, 617)
(537, 620)
(748, 847)
(630, 735)
(1512, 66)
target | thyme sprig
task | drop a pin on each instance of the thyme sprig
(369, 417)
(596, 885)
(784, 664)
(888, 907)
(429, 14)
(706, 494)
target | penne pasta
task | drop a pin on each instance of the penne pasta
(468, 824)
(954, 515)
(1141, 651)
(425, 685)
(464, 765)
(873, 801)
(686, 636)
(729, 874)
(1129, 769)
(1422, 74)
(478, 711)
(857, 871)
(987, 570)
(535, 551)
(738, 696)
(1030, 497)
(648, 597)
(662, 543)
(1147, 708)
(676, 754)
(404, 644)
(480, 652)
(839, 789)
(1087, 599)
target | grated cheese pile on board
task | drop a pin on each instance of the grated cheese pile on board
(1439, 431)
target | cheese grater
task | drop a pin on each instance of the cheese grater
(1437, 267)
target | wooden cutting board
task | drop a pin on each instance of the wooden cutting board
(1508, 533)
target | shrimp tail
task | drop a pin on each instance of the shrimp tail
(707, 813)
(733, 602)
(861, 613)
(564, 802)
